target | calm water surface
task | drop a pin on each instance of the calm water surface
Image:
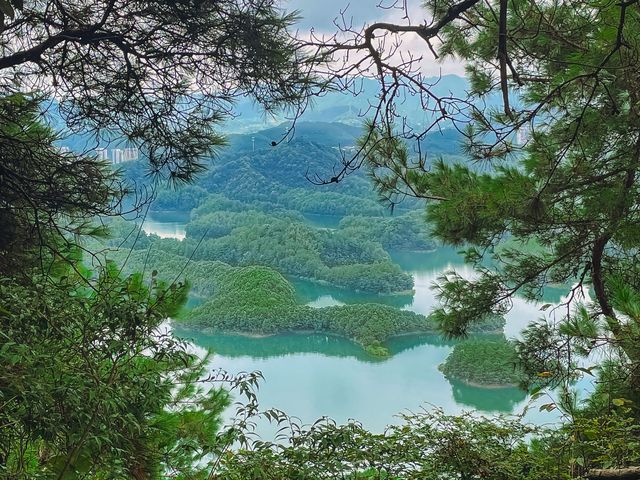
(166, 224)
(315, 375)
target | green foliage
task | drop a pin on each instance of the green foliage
(273, 179)
(39, 211)
(236, 233)
(565, 200)
(423, 445)
(606, 441)
(258, 300)
(221, 223)
(91, 384)
(203, 276)
(484, 361)
(399, 233)
(207, 55)
(183, 199)
(276, 176)
(297, 249)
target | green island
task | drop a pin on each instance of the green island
(250, 223)
(258, 300)
(350, 256)
(489, 362)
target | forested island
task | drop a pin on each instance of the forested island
(260, 301)
(240, 241)
(241, 224)
(486, 361)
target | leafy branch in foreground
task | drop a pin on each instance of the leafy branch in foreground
(90, 378)
(569, 82)
(431, 444)
(158, 74)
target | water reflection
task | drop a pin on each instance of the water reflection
(498, 400)
(320, 295)
(426, 268)
(314, 375)
(234, 346)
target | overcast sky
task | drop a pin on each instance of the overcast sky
(320, 15)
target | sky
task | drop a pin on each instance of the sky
(320, 15)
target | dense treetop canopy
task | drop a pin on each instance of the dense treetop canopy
(566, 198)
(153, 74)
(93, 384)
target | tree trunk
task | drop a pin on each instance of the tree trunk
(629, 473)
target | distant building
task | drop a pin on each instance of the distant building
(130, 154)
(116, 156)
(102, 154)
(120, 155)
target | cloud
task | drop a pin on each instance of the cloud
(322, 15)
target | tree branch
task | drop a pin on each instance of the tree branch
(629, 473)
(503, 58)
(33, 54)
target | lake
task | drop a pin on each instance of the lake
(315, 375)
(166, 224)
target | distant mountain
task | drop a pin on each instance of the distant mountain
(343, 107)
(331, 125)
(321, 133)
(279, 173)
(334, 135)
(277, 177)
(337, 118)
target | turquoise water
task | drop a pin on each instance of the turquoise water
(166, 224)
(310, 376)
(314, 375)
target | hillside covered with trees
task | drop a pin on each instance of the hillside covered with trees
(254, 208)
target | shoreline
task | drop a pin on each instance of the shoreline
(258, 336)
(471, 383)
(326, 283)
(488, 386)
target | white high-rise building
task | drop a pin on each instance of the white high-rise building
(102, 154)
(117, 155)
(120, 155)
(130, 154)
